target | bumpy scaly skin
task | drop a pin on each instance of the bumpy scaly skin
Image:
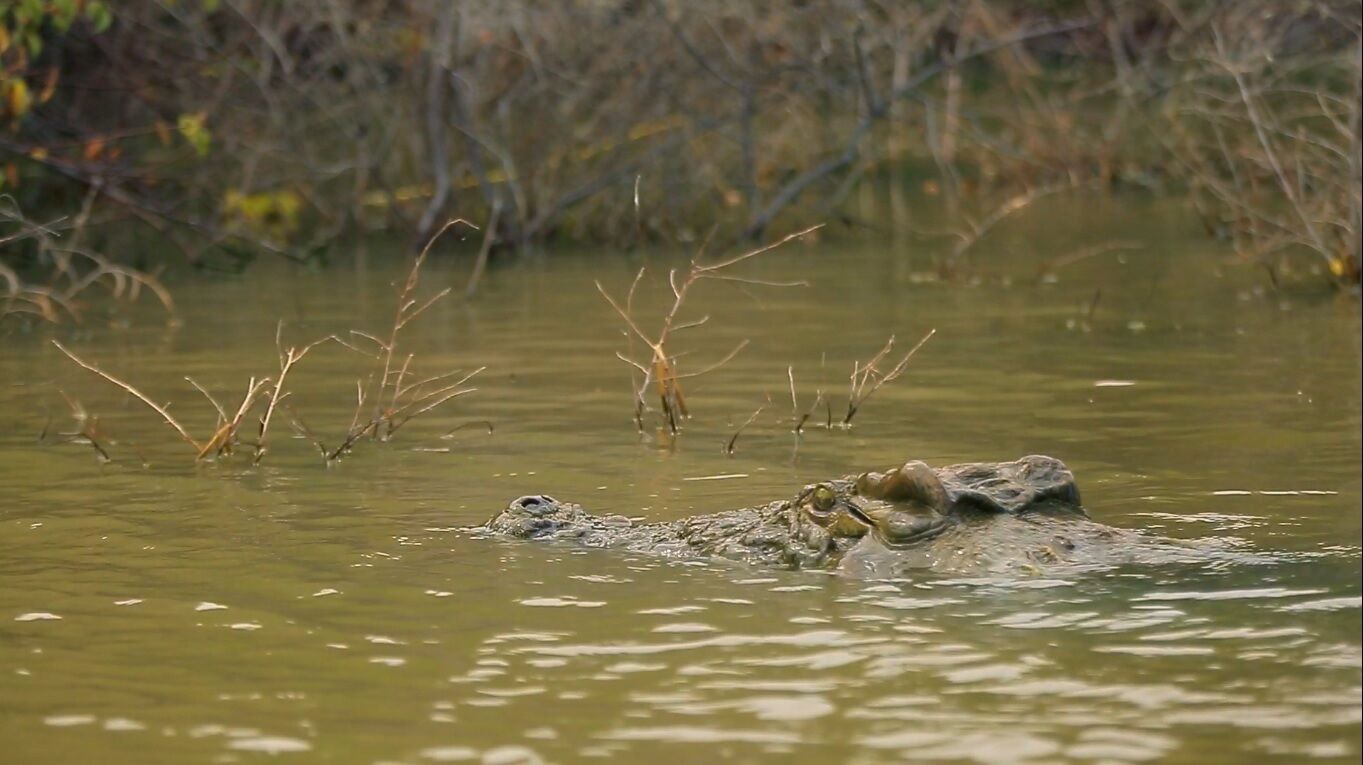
(1012, 487)
(772, 534)
(969, 518)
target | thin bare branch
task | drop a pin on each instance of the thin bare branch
(134, 392)
(727, 358)
(704, 269)
(222, 413)
(661, 369)
(867, 378)
(733, 440)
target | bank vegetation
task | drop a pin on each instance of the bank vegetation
(217, 131)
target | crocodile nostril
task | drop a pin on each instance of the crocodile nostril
(534, 502)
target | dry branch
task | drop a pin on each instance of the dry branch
(222, 413)
(1266, 131)
(1050, 267)
(135, 393)
(661, 368)
(795, 416)
(867, 378)
(974, 231)
(395, 401)
(87, 429)
(396, 394)
(733, 440)
(224, 439)
(287, 358)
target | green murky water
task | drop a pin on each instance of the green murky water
(220, 613)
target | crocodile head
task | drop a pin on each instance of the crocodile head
(899, 507)
(537, 516)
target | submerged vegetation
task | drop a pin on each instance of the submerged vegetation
(394, 392)
(225, 130)
(386, 400)
(660, 370)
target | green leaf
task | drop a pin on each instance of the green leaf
(99, 16)
(195, 132)
(33, 42)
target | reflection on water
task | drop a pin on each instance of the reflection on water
(223, 613)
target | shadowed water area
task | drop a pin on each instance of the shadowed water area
(220, 613)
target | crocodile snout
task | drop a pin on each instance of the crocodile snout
(535, 504)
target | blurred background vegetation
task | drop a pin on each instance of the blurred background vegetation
(220, 130)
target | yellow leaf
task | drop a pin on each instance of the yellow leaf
(273, 214)
(16, 97)
(194, 130)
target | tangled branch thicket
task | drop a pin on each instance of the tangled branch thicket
(1273, 156)
(233, 128)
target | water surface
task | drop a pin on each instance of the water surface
(152, 610)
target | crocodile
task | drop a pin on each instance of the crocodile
(1023, 515)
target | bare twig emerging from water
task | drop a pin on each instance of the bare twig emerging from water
(480, 424)
(286, 361)
(661, 368)
(222, 413)
(795, 415)
(87, 429)
(733, 440)
(393, 393)
(868, 378)
(394, 399)
(1091, 307)
(224, 439)
(135, 393)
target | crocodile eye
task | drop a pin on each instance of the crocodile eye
(823, 499)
